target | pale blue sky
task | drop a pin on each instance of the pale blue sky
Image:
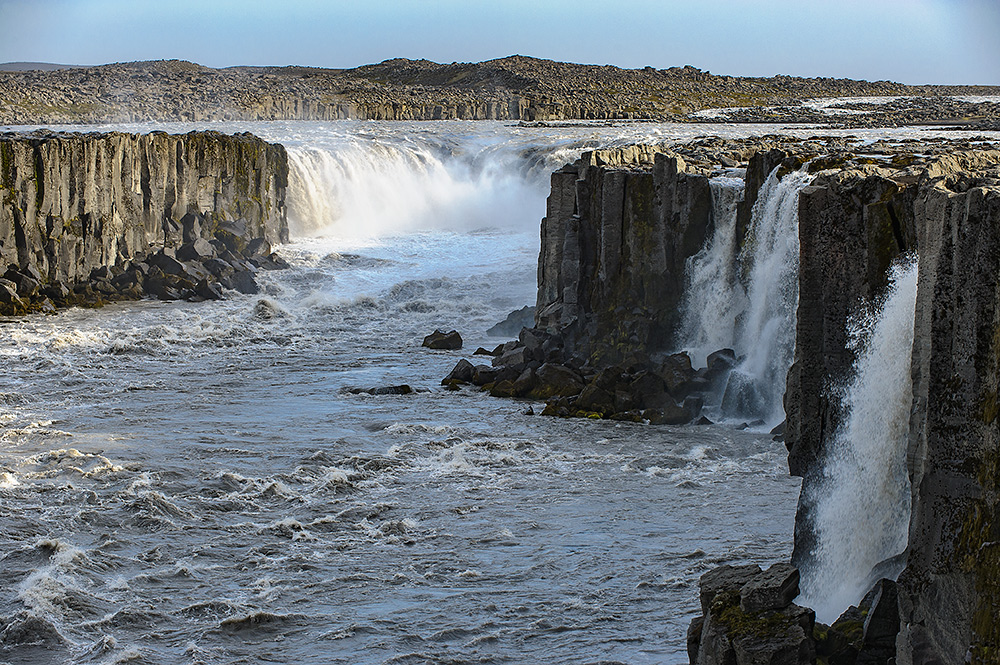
(911, 41)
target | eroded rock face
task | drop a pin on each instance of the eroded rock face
(619, 227)
(950, 589)
(80, 208)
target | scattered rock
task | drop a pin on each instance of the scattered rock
(443, 340)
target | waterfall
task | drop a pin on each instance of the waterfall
(769, 262)
(373, 189)
(863, 501)
(383, 180)
(714, 296)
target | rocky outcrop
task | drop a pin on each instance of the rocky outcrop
(950, 588)
(76, 208)
(511, 88)
(618, 229)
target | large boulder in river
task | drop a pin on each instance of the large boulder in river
(440, 339)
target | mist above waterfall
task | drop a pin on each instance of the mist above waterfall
(862, 504)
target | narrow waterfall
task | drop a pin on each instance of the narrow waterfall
(863, 501)
(714, 296)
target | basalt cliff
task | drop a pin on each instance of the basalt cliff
(88, 218)
(620, 231)
(515, 88)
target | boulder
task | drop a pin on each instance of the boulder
(258, 247)
(208, 290)
(484, 374)
(595, 399)
(233, 234)
(198, 249)
(516, 357)
(463, 371)
(676, 371)
(191, 224)
(721, 360)
(440, 339)
(556, 380)
(724, 578)
(772, 589)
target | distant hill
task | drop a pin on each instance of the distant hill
(34, 67)
(517, 88)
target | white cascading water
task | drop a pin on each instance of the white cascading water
(863, 502)
(748, 305)
(714, 296)
(371, 190)
(766, 332)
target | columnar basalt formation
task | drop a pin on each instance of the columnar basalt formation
(950, 589)
(73, 204)
(618, 230)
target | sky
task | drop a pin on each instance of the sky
(909, 41)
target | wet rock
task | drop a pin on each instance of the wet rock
(484, 374)
(482, 352)
(721, 360)
(402, 389)
(242, 281)
(463, 371)
(515, 321)
(208, 290)
(440, 339)
(773, 589)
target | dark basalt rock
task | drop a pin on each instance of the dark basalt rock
(440, 339)
(515, 321)
(402, 389)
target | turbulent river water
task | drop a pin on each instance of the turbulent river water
(190, 483)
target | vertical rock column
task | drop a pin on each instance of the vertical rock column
(950, 589)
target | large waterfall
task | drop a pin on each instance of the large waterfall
(749, 304)
(375, 188)
(863, 502)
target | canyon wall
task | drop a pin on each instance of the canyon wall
(618, 230)
(72, 203)
(950, 588)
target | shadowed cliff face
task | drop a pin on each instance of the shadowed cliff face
(72, 203)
